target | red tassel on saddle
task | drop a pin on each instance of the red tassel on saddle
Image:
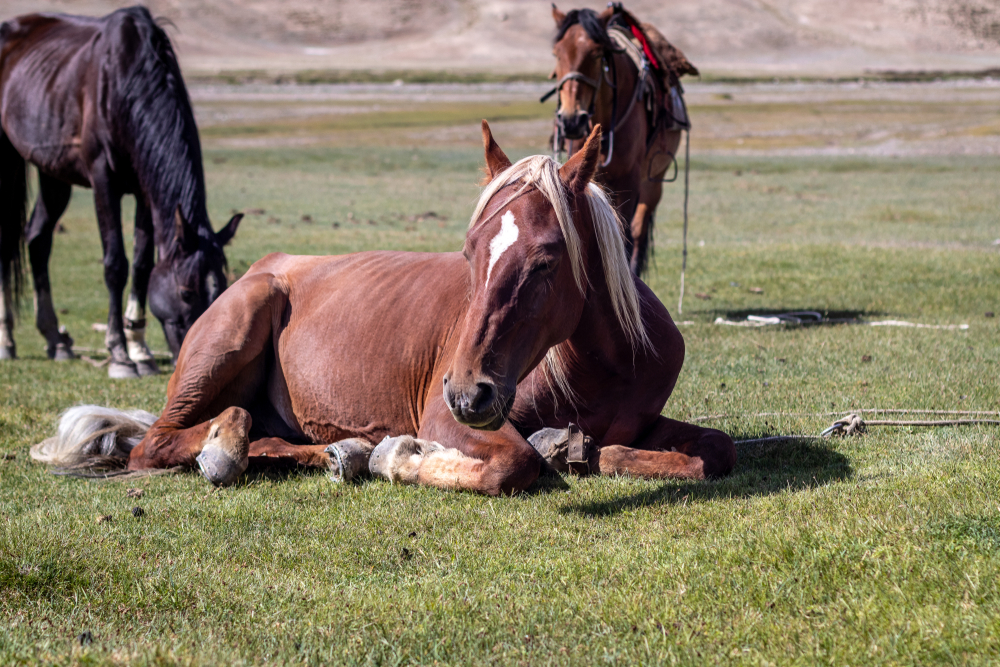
(645, 46)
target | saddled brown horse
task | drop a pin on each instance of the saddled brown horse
(100, 103)
(614, 70)
(449, 359)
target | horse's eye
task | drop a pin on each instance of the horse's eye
(187, 295)
(541, 269)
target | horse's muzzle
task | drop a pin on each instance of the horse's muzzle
(575, 125)
(483, 405)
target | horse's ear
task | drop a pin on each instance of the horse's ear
(226, 234)
(558, 15)
(580, 169)
(496, 159)
(183, 237)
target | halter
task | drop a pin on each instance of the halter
(643, 83)
(609, 138)
(560, 130)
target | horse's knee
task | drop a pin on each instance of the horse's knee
(513, 471)
(225, 448)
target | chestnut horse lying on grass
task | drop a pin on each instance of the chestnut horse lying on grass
(449, 359)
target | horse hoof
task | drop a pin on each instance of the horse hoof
(348, 459)
(552, 444)
(8, 353)
(218, 467)
(118, 370)
(397, 459)
(61, 352)
(224, 453)
(385, 454)
(147, 367)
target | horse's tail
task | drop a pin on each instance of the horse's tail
(92, 436)
(13, 208)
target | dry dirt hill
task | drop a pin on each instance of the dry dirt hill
(781, 37)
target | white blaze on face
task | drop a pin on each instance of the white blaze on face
(504, 239)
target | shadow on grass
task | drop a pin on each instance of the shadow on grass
(762, 469)
(547, 483)
(801, 316)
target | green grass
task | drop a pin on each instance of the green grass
(879, 549)
(426, 115)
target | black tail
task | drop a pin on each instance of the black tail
(13, 210)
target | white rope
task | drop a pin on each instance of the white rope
(810, 317)
(888, 411)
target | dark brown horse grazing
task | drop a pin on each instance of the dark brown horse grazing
(100, 103)
(536, 324)
(613, 70)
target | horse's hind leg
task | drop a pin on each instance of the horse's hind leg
(671, 449)
(53, 197)
(218, 446)
(135, 311)
(220, 372)
(345, 459)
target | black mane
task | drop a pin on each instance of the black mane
(594, 26)
(155, 117)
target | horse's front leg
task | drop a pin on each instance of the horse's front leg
(107, 203)
(135, 312)
(671, 449)
(53, 197)
(448, 455)
(655, 164)
(642, 223)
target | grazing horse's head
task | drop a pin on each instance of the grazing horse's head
(532, 237)
(188, 278)
(581, 45)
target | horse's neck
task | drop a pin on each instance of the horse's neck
(599, 336)
(170, 172)
(625, 78)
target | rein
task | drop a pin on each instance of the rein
(570, 76)
(641, 84)
(576, 75)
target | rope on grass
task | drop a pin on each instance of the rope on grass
(805, 318)
(853, 424)
(888, 411)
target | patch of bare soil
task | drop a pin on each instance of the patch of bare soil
(786, 37)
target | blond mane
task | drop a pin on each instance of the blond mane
(542, 173)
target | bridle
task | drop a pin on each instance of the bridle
(607, 66)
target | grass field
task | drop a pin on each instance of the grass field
(881, 549)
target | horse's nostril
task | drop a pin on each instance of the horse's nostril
(484, 396)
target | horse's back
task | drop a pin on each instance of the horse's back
(360, 343)
(61, 74)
